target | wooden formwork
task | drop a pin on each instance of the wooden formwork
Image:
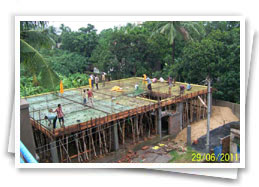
(88, 140)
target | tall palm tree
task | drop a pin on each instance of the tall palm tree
(173, 29)
(33, 36)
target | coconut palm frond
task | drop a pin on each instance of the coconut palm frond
(49, 79)
(28, 25)
(165, 28)
(38, 39)
(172, 33)
(36, 64)
(194, 26)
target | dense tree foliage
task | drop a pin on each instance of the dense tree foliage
(197, 49)
(83, 41)
(34, 36)
(65, 62)
(217, 55)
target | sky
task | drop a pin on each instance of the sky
(98, 25)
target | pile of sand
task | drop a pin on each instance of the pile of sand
(220, 116)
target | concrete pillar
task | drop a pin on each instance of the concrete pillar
(179, 109)
(116, 138)
(189, 135)
(160, 123)
(54, 152)
(26, 133)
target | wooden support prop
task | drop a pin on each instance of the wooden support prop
(120, 130)
(85, 147)
(156, 121)
(110, 137)
(79, 157)
(132, 129)
(137, 128)
(123, 132)
(100, 140)
(150, 119)
(89, 144)
(104, 139)
(67, 149)
(68, 158)
(203, 111)
(92, 140)
(197, 109)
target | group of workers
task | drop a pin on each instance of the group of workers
(53, 117)
(86, 93)
(94, 79)
(59, 112)
(171, 83)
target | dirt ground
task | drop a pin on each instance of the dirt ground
(220, 116)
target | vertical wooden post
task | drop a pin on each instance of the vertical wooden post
(156, 121)
(159, 121)
(137, 129)
(180, 110)
(67, 148)
(115, 135)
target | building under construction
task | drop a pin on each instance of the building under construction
(117, 118)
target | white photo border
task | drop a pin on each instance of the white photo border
(129, 19)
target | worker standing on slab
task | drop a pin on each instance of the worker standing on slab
(96, 81)
(149, 82)
(60, 115)
(84, 96)
(92, 81)
(182, 88)
(103, 79)
(90, 97)
(144, 79)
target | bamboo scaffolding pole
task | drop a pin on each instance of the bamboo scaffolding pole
(104, 139)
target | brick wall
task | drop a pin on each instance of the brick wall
(174, 125)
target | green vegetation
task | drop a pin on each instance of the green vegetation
(183, 157)
(187, 51)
